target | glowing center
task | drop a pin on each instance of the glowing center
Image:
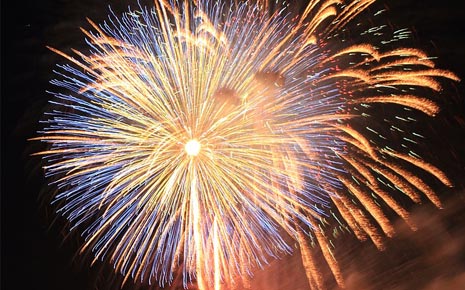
(192, 147)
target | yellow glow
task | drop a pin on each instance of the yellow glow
(192, 147)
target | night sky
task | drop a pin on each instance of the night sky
(35, 256)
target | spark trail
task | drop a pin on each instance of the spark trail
(203, 137)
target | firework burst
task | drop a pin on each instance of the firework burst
(204, 137)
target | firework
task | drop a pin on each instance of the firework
(202, 138)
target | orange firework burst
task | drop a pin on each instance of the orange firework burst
(203, 137)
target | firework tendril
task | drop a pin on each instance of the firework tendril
(207, 138)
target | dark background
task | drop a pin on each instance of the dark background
(33, 254)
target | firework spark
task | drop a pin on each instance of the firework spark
(203, 137)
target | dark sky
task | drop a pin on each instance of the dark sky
(33, 256)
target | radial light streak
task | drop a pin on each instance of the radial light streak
(204, 137)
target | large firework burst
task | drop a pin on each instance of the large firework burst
(203, 137)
